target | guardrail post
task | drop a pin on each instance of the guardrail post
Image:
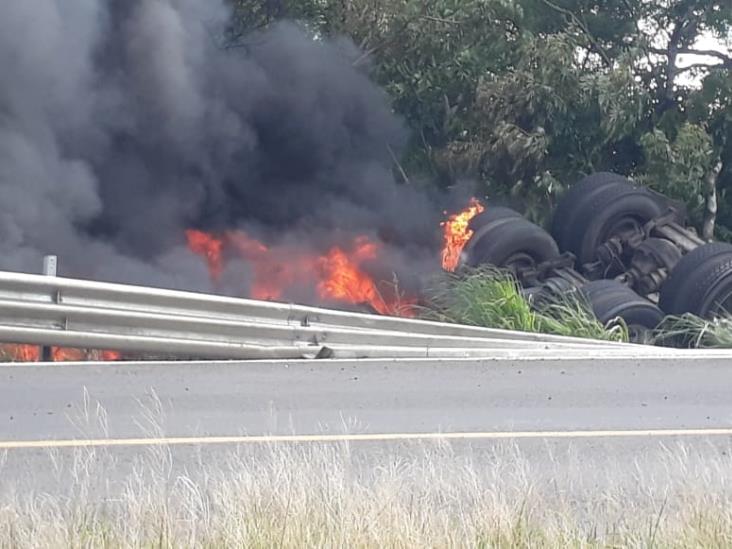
(50, 268)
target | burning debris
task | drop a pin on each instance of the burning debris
(32, 353)
(339, 275)
(456, 233)
(130, 123)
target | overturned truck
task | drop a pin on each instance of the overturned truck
(628, 249)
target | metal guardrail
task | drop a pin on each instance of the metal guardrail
(45, 310)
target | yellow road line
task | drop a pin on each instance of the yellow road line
(376, 437)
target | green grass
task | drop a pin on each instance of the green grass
(492, 298)
(694, 332)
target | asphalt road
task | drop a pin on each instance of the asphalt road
(44, 404)
(587, 413)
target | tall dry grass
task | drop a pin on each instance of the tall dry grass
(371, 496)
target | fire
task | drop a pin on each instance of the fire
(67, 355)
(61, 354)
(342, 280)
(20, 353)
(32, 353)
(204, 244)
(270, 277)
(456, 234)
(337, 275)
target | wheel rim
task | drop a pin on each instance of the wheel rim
(618, 228)
(717, 305)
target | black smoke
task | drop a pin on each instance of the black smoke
(124, 122)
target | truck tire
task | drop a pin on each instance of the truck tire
(572, 202)
(491, 214)
(600, 210)
(701, 283)
(510, 242)
(610, 299)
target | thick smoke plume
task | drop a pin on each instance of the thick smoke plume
(125, 122)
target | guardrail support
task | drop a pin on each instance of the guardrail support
(50, 268)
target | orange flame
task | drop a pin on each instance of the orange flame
(20, 353)
(337, 275)
(32, 353)
(270, 277)
(456, 234)
(60, 354)
(343, 280)
(209, 247)
(67, 355)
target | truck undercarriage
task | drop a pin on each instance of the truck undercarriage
(627, 249)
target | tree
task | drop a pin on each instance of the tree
(526, 96)
(253, 15)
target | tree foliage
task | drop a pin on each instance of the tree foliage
(526, 96)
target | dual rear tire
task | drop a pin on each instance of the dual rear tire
(599, 207)
(604, 205)
(503, 238)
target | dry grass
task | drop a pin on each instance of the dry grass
(343, 496)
